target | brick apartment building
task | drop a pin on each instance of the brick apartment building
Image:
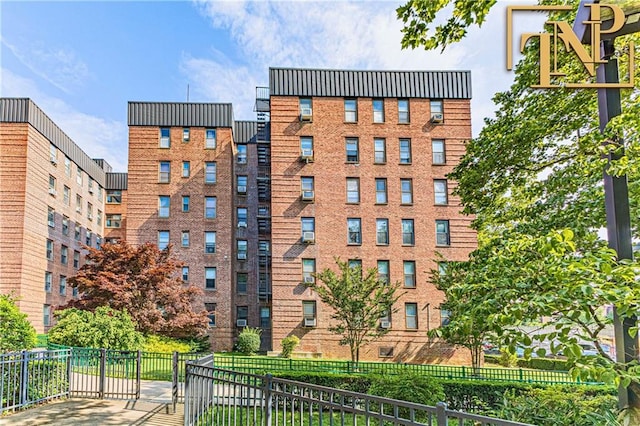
(350, 164)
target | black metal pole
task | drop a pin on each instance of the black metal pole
(618, 218)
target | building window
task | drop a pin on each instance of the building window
(210, 278)
(211, 313)
(241, 249)
(309, 313)
(78, 204)
(65, 225)
(241, 282)
(90, 185)
(353, 190)
(79, 176)
(184, 239)
(438, 149)
(306, 109)
(52, 186)
(352, 150)
(440, 192)
(411, 316)
(406, 191)
(354, 231)
(76, 232)
(114, 196)
(242, 316)
(76, 259)
(382, 231)
(48, 277)
(405, 151)
(89, 211)
(442, 233)
(381, 191)
(163, 239)
(164, 205)
(241, 156)
(350, 110)
(442, 268)
(379, 151)
(186, 169)
(164, 172)
(67, 166)
(88, 237)
(210, 172)
(63, 285)
(46, 315)
(437, 111)
(114, 220)
(383, 271)
(98, 241)
(378, 111)
(445, 316)
(64, 255)
(403, 111)
(306, 188)
(185, 274)
(186, 134)
(209, 207)
(241, 184)
(263, 247)
(165, 140)
(265, 317)
(186, 201)
(53, 154)
(409, 268)
(99, 192)
(308, 271)
(66, 197)
(49, 249)
(209, 242)
(306, 148)
(408, 236)
(210, 141)
(355, 264)
(99, 218)
(51, 217)
(242, 214)
(308, 229)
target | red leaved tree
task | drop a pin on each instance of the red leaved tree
(144, 281)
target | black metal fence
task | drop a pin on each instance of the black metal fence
(215, 396)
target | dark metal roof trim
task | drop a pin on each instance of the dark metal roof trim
(24, 110)
(116, 181)
(245, 131)
(370, 84)
(187, 114)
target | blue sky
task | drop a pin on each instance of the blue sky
(81, 62)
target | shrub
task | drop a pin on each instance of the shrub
(162, 344)
(507, 359)
(16, 332)
(104, 328)
(550, 364)
(288, 345)
(350, 382)
(480, 396)
(420, 389)
(249, 341)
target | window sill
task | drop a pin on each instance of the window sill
(350, 122)
(354, 244)
(443, 245)
(441, 205)
(381, 204)
(404, 123)
(404, 164)
(379, 163)
(406, 204)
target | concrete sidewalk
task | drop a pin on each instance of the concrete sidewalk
(96, 412)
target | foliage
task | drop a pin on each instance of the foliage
(550, 364)
(249, 341)
(198, 344)
(507, 358)
(358, 302)
(104, 328)
(45, 379)
(16, 332)
(420, 389)
(481, 396)
(162, 344)
(144, 281)
(350, 382)
(289, 343)
(418, 14)
(559, 406)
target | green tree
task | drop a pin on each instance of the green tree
(358, 302)
(144, 281)
(16, 332)
(103, 328)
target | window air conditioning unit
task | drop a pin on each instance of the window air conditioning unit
(52, 191)
(242, 224)
(385, 324)
(437, 117)
(78, 210)
(309, 279)
(54, 161)
(306, 114)
(90, 216)
(242, 255)
(307, 195)
(241, 323)
(90, 190)
(307, 155)
(308, 237)
(242, 189)
(309, 322)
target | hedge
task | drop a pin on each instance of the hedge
(549, 364)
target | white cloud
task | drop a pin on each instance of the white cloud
(97, 137)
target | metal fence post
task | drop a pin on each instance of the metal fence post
(174, 380)
(268, 398)
(138, 373)
(69, 369)
(24, 377)
(441, 413)
(103, 356)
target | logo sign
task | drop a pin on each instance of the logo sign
(561, 33)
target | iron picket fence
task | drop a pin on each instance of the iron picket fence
(216, 396)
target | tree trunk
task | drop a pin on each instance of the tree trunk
(476, 352)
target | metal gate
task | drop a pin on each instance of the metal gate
(104, 373)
